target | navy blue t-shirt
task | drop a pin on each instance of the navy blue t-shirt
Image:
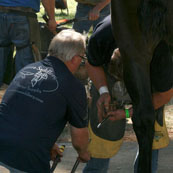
(41, 99)
(101, 43)
(34, 4)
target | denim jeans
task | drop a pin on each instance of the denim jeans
(3, 61)
(6, 168)
(97, 165)
(82, 10)
(155, 154)
(14, 29)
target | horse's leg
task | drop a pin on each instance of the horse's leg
(169, 21)
(136, 60)
(138, 85)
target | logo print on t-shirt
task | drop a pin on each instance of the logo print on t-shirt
(31, 81)
(38, 75)
(42, 74)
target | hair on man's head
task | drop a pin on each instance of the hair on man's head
(67, 44)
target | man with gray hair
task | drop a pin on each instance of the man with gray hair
(38, 103)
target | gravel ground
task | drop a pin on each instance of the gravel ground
(130, 136)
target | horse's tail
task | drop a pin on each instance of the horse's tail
(152, 18)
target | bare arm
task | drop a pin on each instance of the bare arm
(49, 6)
(94, 14)
(161, 98)
(80, 141)
(97, 75)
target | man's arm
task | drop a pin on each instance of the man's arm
(97, 75)
(159, 99)
(49, 6)
(94, 14)
(162, 98)
(80, 141)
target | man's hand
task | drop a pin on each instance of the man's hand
(119, 114)
(80, 141)
(50, 10)
(103, 105)
(55, 151)
(84, 157)
(94, 14)
(52, 26)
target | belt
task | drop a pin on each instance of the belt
(92, 5)
(23, 11)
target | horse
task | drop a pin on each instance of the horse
(139, 26)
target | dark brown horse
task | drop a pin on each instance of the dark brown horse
(139, 27)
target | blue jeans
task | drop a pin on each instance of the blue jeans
(14, 29)
(82, 10)
(155, 154)
(4, 168)
(97, 165)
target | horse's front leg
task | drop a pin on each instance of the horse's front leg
(138, 85)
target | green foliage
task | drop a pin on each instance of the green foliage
(61, 14)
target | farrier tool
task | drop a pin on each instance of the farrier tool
(57, 160)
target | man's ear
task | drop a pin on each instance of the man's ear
(73, 64)
(75, 59)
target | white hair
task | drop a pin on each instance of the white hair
(67, 44)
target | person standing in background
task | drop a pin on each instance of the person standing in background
(19, 27)
(91, 12)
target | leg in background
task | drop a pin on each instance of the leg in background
(97, 165)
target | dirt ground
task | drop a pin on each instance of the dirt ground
(129, 133)
(123, 161)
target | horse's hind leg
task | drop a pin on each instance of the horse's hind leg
(138, 84)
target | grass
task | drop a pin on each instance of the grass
(61, 14)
